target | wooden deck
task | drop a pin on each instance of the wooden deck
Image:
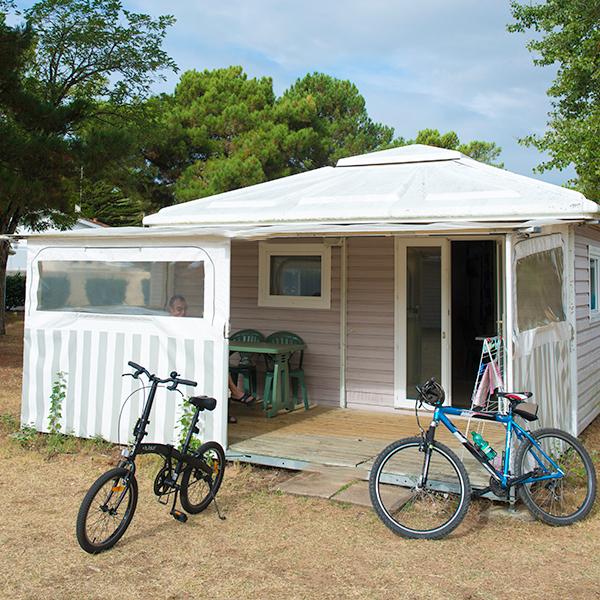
(335, 437)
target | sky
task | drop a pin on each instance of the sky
(448, 65)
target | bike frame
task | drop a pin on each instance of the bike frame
(167, 451)
(504, 477)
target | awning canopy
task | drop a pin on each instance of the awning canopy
(408, 185)
(135, 235)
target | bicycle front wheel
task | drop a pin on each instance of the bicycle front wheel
(561, 500)
(419, 492)
(197, 487)
(107, 510)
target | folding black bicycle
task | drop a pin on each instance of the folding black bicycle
(195, 476)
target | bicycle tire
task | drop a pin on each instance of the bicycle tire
(543, 499)
(447, 493)
(197, 491)
(87, 540)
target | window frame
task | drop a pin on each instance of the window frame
(120, 254)
(266, 250)
(594, 255)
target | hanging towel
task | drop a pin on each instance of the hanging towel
(490, 380)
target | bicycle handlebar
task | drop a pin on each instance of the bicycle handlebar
(173, 379)
(186, 382)
(138, 368)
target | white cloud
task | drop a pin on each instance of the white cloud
(433, 63)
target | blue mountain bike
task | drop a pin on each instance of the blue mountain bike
(421, 489)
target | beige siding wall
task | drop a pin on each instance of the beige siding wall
(320, 329)
(588, 332)
(370, 323)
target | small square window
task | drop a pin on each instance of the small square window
(294, 275)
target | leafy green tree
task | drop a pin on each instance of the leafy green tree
(203, 127)
(487, 152)
(107, 204)
(94, 49)
(336, 112)
(71, 62)
(221, 130)
(115, 184)
(567, 34)
(432, 137)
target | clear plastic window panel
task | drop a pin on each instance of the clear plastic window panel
(540, 289)
(423, 315)
(295, 276)
(122, 288)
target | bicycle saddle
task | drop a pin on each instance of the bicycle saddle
(527, 410)
(519, 404)
(203, 402)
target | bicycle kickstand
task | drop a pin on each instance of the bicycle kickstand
(480, 492)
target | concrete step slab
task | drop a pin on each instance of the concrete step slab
(393, 496)
(321, 484)
(341, 485)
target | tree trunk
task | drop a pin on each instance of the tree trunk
(4, 246)
(9, 220)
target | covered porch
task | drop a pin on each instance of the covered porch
(343, 438)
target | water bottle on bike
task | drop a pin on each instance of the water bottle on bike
(483, 445)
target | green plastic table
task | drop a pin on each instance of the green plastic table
(281, 353)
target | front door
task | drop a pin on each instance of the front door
(422, 316)
(474, 312)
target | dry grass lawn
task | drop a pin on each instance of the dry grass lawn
(270, 546)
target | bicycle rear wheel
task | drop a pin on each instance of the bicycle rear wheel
(107, 510)
(557, 501)
(198, 488)
(419, 492)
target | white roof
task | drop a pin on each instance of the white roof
(79, 224)
(412, 184)
(17, 262)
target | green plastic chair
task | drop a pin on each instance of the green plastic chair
(246, 367)
(296, 373)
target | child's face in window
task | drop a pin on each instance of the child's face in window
(178, 308)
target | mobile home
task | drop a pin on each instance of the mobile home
(389, 265)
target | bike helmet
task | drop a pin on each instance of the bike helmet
(431, 392)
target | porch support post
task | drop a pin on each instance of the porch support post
(343, 318)
(508, 328)
(508, 311)
(572, 318)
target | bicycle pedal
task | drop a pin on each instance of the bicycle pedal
(179, 516)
